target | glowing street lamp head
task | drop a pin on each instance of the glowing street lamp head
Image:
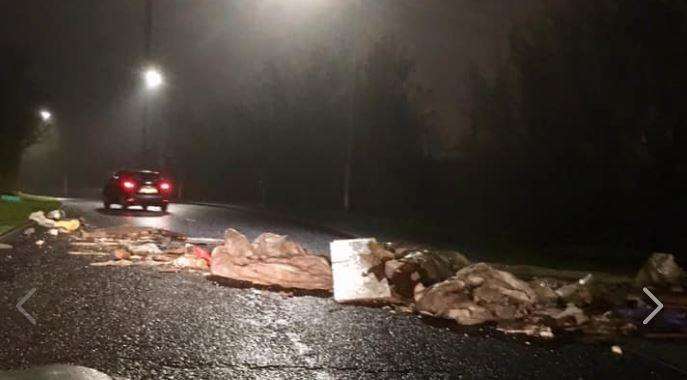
(153, 78)
(45, 115)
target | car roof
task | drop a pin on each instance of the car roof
(128, 171)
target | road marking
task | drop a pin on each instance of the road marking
(21, 302)
(656, 310)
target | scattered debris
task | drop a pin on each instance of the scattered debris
(435, 266)
(163, 258)
(53, 232)
(543, 288)
(121, 254)
(358, 274)
(47, 222)
(112, 263)
(190, 262)
(476, 294)
(200, 253)
(204, 241)
(144, 249)
(607, 325)
(521, 299)
(577, 292)
(271, 260)
(660, 270)
(40, 218)
(87, 253)
(68, 225)
(405, 267)
(56, 214)
(5, 246)
(574, 313)
(29, 231)
(524, 328)
(616, 350)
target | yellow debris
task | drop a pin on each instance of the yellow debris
(68, 225)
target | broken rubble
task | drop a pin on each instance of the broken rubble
(87, 253)
(163, 258)
(543, 288)
(132, 233)
(121, 254)
(660, 270)
(68, 225)
(112, 263)
(428, 267)
(56, 214)
(200, 253)
(270, 261)
(190, 262)
(64, 225)
(5, 246)
(435, 266)
(476, 294)
(574, 313)
(578, 292)
(144, 249)
(525, 328)
(40, 218)
(354, 275)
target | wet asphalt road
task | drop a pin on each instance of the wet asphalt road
(203, 221)
(136, 322)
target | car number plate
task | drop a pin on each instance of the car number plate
(148, 190)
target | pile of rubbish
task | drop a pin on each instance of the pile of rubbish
(271, 260)
(444, 284)
(126, 245)
(55, 222)
(537, 303)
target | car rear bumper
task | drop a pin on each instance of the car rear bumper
(145, 199)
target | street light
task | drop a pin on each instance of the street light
(153, 78)
(45, 115)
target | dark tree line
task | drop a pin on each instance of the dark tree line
(289, 139)
(577, 137)
(585, 122)
(20, 124)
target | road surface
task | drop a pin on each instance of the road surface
(136, 322)
(204, 221)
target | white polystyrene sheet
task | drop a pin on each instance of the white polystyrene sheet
(352, 282)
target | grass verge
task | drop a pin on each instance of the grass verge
(15, 212)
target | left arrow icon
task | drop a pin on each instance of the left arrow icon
(21, 302)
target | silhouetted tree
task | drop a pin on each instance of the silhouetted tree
(20, 125)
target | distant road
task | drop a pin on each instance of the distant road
(203, 221)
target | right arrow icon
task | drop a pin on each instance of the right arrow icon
(658, 308)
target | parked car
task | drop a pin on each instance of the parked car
(143, 188)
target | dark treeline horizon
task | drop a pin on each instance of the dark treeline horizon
(575, 135)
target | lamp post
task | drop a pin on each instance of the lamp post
(45, 115)
(152, 79)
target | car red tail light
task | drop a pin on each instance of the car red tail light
(128, 185)
(165, 186)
